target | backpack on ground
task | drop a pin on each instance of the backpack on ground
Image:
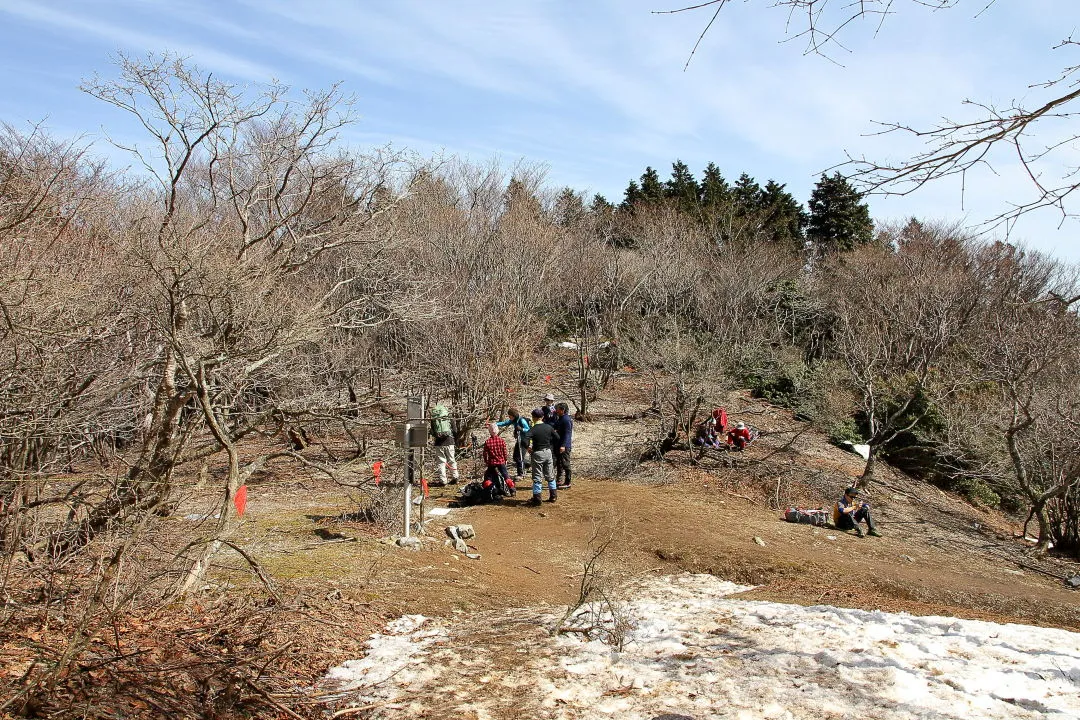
(440, 421)
(806, 516)
(482, 492)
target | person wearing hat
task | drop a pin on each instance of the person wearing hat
(548, 408)
(850, 511)
(739, 436)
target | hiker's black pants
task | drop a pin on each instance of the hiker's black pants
(848, 521)
(519, 458)
(562, 464)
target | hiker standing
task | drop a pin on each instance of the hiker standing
(521, 426)
(495, 458)
(850, 511)
(564, 426)
(541, 438)
(445, 457)
(548, 408)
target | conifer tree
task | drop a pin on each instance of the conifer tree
(839, 219)
(746, 194)
(600, 204)
(631, 196)
(783, 217)
(714, 190)
(682, 187)
(652, 190)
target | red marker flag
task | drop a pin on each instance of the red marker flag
(424, 486)
(547, 379)
(376, 470)
(240, 500)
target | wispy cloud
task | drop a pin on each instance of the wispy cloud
(129, 38)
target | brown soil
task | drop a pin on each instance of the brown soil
(938, 555)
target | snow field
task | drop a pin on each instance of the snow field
(693, 650)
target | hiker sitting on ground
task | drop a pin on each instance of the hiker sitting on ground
(541, 439)
(706, 434)
(850, 511)
(495, 459)
(739, 436)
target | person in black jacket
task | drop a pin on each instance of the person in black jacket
(564, 425)
(541, 439)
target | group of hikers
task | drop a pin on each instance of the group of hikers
(544, 441)
(710, 431)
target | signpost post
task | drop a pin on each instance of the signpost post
(414, 435)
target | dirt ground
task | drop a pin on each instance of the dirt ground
(338, 578)
(938, 555)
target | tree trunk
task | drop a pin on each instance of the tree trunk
(869, 469)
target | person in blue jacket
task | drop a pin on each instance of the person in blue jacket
(564, 425)
(521, 426)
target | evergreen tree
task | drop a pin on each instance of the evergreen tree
(714, 189)
(600, 205)
(518, 198)
(839, 219)
(783, 217)
(631, 197)
(652, 190)
(569, 207)
(682, 187)
(746, 195)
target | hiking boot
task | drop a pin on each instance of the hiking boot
(452, 481)
(535, 502)
(859, 532)
(873, 533)
(552, 496)
(563, 485)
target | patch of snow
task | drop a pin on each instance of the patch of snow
(691, 649)
(396, 651)
(859, 449)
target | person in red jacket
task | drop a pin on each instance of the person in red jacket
(495, 458)
(739, 437)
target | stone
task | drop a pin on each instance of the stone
(466, 532)
(409, 543)
(907, 558)
(459, 544)
(1073, 582)
(759, 541)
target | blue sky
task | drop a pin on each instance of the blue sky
(594, 91)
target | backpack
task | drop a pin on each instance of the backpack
(440, 421)
(806, 516)
(481, 492)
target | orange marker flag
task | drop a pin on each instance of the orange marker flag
(240, 500)
(424, 486)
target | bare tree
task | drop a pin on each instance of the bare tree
(252, 242)
(1034, 133)
(900, 317)
(1018, 429)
